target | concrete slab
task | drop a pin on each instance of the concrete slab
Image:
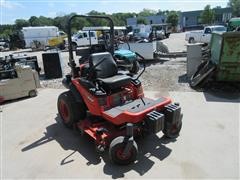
(36, 145)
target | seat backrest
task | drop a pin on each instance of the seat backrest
(106, 66)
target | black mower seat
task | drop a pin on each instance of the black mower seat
(105, 71)
(115, 81)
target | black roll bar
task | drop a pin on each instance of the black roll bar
(72, 63)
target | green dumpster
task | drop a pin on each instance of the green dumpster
(233, 24)
(225, 53)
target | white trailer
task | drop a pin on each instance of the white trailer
(38, 37)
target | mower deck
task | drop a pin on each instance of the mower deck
(100, 131)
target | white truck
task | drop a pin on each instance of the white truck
(205, 35)
(39, 36)
(81, 38)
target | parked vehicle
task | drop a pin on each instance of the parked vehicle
(205, 35)
(152, 31)
(58, 41)
(81, 38)
(41, 36)
(161, 31)
(141, 31)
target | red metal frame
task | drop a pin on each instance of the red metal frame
(112, 123)
(97, 106)
(90, 100)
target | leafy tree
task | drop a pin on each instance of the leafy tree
(6, 32)
(141, 20)
(160, 12)
(34, 21)
(44, 21)
(235, 5)
(166, 12)
(21, 23)
(147, 12)
(207, 16)
(61, 22)
(172, 18)
(121, 18)
(16, 40)
(97, 22)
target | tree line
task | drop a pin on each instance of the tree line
(119, 19)
(207, 17)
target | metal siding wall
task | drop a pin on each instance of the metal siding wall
(131, 21)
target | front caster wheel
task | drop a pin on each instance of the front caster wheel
(171, 130)
(116, 151)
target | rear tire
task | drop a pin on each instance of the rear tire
(69, 110)
(116, 151)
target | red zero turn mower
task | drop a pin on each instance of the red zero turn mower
(110, 106)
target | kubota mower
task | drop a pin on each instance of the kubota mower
(109, 105)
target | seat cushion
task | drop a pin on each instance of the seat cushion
(105, 65)
(114, 81)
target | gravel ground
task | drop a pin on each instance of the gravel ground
(167, 77)
(168, 74)
(160, 75)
